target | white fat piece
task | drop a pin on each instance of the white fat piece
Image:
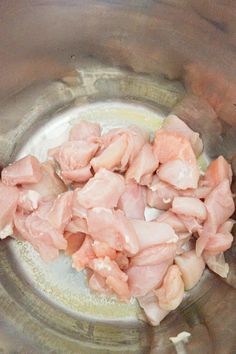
(179, 342)
(6, 231)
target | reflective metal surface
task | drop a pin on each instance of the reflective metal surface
(116, 61)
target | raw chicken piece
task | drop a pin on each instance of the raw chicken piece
(218, 243)
(152, 233)
(79, 216)
(192, 224)
(8, 203)
(85, 130)
(28, 200)
(61, 212)
(120, 287)
(154, 255)
(102, 226)
(217, 264)
(132, 201)
(74, 242)
(113, 228)
(44, 207)
(172, 123)
(122, 260)
(103, 190)
(120, 147)
(127, 231)
(201, 192)
(19, 225)
(111, 157)
(217, 171)
(171, 293)
(98, 284)
(170, 146)
(160, 194)
(144, 164)
(77, 224)
(220, 206)
(189, 206)
(184, 244)
(146, 180)
(173, 220)
(77, 208)
(84, 255)
(101, 249)
(106, 267)
(227, 226)
(46, 240)
(142, 279)
(80, 175)
(50, 184)
(179, 167)
(6, 231)
(179, 174)
(25, 170)
(191, 268)
(153, 312)
(72, 155)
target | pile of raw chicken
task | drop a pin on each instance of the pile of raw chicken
(90, 198)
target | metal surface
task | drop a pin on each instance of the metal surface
(117, 62)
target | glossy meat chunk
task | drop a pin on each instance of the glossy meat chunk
(191, 268)
(84, 130)
(25, 170)
(171, 293)
(132, 201)
(8, 203)
(103, 190)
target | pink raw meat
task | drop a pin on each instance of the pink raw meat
(152, 233)
(80, 175)
(25, 170)
(28, 200)
(107, 267)
(50, 184)
(153, 312)
(102, 249)
(189, 206)
(173, 220)
(74, 242)
(160, 194)
(73, 155)
(43, 237)
(191, 268)
(82, 257)
(132, 201)
(142, 279)
(120, 287)
(85, 130)
(103, 190)
(171, 293)
(154, 255)
(144, 164)
(113, 228)
(8, 202)
(61, 211)
(180, 174)
(172, 123)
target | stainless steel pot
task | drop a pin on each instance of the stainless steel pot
(61, 60)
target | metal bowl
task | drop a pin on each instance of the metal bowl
(116, 62)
